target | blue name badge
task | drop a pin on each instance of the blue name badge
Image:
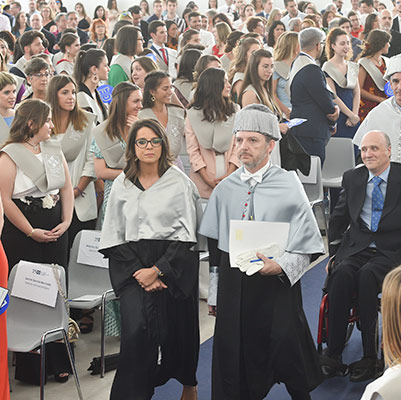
(105, 93)
(4, 306)
(387, 90)
(152, 56)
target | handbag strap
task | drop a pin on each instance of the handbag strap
(60, 289)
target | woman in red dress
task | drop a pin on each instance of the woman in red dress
(372, 67)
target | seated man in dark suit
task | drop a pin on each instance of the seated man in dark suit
(365, 237)
(310, 97)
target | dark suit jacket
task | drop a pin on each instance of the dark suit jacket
(395, 44)
(83, 36)
(145, 34)
(396, 25)
(311, 100)
(50, 38)
(346, 225)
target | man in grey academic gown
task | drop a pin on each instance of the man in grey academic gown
(386, 117)
(262, 336)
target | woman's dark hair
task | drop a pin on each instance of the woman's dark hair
(369, 21)
(17, 25)
(85, 60)
(77, 116)
(67, 40)
(202, 64)
(18, 52)
(252, 78)
(127, 40)
(110, 4)
(117, 119)
(186, 12)
(187, 64)
(174, 41)
(191, 5)
(35, 65)
(375, 41)
(132, 168)
(109, 47)
(325, 17)
(232, 41)
(270, 36)
(223, 18)
(208, 96)
(9, 38)
(33, 110)
(95, 16)
(187, 35)
(152, 82)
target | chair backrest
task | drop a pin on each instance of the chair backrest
(85, 279)
(340, 157)
(37, 317)
(314, 191)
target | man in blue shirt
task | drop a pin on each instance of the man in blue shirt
(365, 237)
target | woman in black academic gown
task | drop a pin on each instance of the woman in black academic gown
(149, 234)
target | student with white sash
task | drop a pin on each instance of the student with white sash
(285, 52)
(111, 136)
(91, 67)
(342, 78)
(210, 143)
(371, 71)
(73, 128)
(69, 45)
(236, 74)
(8, 95)
(38, 201)
(129, 42)
(184, 83)
(157, 96)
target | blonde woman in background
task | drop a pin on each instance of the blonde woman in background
(286, 51)
(388, 386)
(221, 32)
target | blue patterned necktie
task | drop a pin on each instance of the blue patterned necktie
(377, 203)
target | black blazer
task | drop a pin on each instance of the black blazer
(395, 43)
(346, 225)
(396, 25)
(310, 99)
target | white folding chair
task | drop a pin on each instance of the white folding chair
(314, 188)
(31, 324)
(89, 280)
(340, 157)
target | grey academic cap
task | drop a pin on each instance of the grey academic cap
(257, 118)
(394, 66)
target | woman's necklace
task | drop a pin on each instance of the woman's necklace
(34, 146)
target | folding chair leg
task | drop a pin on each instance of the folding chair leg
(43, 361)
(72, 363)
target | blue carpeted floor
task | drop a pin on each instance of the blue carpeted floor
(332, 389)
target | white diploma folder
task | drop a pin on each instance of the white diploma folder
(248, 236)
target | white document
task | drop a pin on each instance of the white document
(312, 177)
(88, 250)
(35, 282)
(3, 295)
(247, 236)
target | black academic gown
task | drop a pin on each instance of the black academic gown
(159, 330)
(254, 353)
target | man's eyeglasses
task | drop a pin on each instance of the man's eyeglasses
(44, 75)
(143, 143)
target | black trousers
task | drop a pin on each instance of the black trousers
(359, 276)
